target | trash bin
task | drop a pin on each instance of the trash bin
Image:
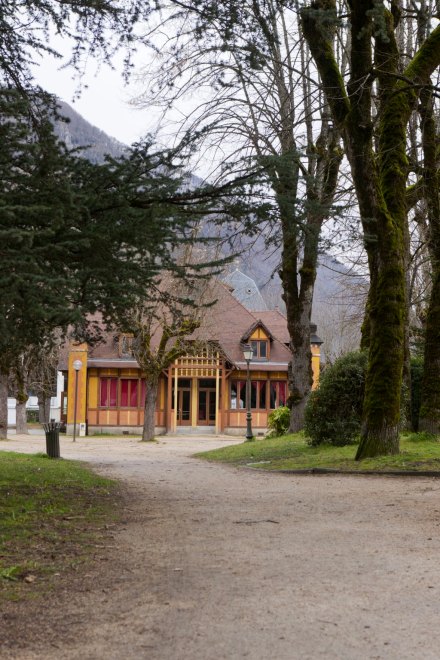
(52, 430)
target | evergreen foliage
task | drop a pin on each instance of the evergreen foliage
(91, 27)
(76, 237)
(334, 410)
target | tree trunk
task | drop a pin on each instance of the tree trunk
(43, 409)
(300, 368)
(429, 417)
(3, 406)
(21, 427)
(298, 287)
(380, 431)
(405, 423)
(151, 388)
(379, 171)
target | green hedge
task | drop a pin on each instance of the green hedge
(334, 410)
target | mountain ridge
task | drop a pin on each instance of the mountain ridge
(337, 307)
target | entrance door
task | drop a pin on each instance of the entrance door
(184, 406)
(206, 407)
(183, 402)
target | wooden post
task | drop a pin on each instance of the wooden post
(176, 382)
(193, 403)
(168, 418)
(224, 398)
(217, 392)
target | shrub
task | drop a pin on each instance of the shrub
(334, 410)
(278, 421)
(32, 416)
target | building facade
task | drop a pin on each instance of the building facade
(203, 393)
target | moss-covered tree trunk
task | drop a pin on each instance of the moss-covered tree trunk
(3, 405)
(380, 428)
(429, 416)
(379, 168)
(387, 301)
(151, 389)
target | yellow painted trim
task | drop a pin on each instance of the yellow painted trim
(77, 352)
(176, 383)
(315, 369)
(217, 394)
(258, 333)
(93, 391)
(194, 401)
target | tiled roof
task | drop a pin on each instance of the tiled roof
(276, 322)
(245, 290)
(225, 322)
(228, 321)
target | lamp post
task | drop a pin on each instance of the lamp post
(248, 354)
(77, 366)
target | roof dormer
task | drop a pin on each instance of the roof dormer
(259, 338)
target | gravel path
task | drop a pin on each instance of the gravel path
(217, 563)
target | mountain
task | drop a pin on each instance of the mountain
(339, 294)
(77, 132)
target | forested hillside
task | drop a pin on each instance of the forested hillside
(77, 132)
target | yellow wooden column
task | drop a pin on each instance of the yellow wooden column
(217, 393)
(194, 400)
(176, 384)
(316, 364)
(224, 397)
(77, 352)
(169, 410)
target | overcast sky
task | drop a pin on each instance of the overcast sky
(104, 103)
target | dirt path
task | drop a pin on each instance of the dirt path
(214, 563)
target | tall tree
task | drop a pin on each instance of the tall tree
(430, 405)
(251, 63)
(377, 151)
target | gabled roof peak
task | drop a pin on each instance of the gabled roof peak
(258, 324)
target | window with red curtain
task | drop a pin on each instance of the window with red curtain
(124, 392)
(113, 396)
(129, 393)
(108, 395)
(282, 389)
(238, 395)
(262, 395)
(278, 393)
(103, 396)
(241, 394)
(134, 393)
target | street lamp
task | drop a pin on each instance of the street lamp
(248, 354)
(77, 366)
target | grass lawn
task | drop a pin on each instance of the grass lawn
(52, 514)
(418, 451)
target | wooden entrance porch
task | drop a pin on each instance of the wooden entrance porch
(197, 392)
